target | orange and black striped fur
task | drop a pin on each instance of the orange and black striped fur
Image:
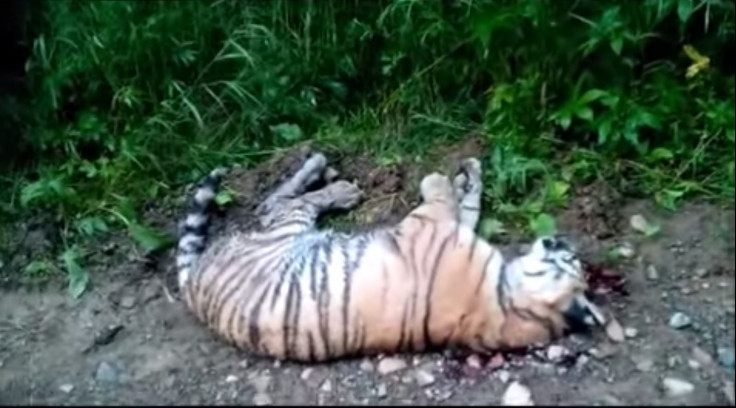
(293, 291)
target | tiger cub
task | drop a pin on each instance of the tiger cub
(292, 291)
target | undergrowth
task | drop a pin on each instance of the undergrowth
(130, 100)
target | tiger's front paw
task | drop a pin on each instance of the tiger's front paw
(345, 195)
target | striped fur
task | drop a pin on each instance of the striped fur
(293, 291)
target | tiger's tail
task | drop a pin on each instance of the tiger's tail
(193, 232)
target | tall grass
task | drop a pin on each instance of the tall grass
(130, 99)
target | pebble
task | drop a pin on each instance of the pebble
(261, 399)
(694, 364)
(645, 365)
(504, 376)
(675, 387)
(389, 365)
(626, 250)
(497, 361)
(631, 332)
(366, 366)
(306, 373)
(556, 353)
(652, 273)
(231, 379)
(326, 386)
(66, 388)
(702, 357)
(260, 384)
(674, 361)
(701, 273)
(680, 320)
(726, 357)
(106, 373)
(381, 391)
(728, 391)
(127, 302)
(473, 361)
(604, 351)
(424, 378)
(517, 395)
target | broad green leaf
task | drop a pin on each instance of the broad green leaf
(558, 189)
(224, 198)
(585, 113)
(148, 238)
(90, 225)
(661, 153)
(287, 131)
(617, 44)
(543, 225)
(592, 95)
(78, 277)
(491, 227)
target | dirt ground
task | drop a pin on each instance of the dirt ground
(129, 341)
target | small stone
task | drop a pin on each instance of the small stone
(604, 351)
(306, 373)
(127, 302)
(231, 379)
(66, 388)
(702, 357)
(614, 331)
(473, 361)
(243, 364)
(675, 387)
(556, 353)
(645, 365)
(582, 361)
(277, 364)
(389, 365)
(701, 273)
(504, 376)
(728, 391)
(260, 384)
(366, 366)
(626, 250)
(424, 378)
(652, 273)
(693, 364)
(680, 320)
(496, 362)
(261, 399)
(326, 386)
(674, 361)
(517, 395)
(631, 332)
(726, 357)
(381, 391)
(106, 373)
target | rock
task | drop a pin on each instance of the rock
(231, 379)
(473, 361)
(694, 364)
(556, 353)
(261, 399)
(504, 376)
(106, 373)
(367, 366)
(631, 332)
(306, 373)
(726, 357)
(424, 378)
(701, 273)
(496, 362)
(680, 320)
(626, 250)
(127, 302)
(582, 361)
(675, 387)
(614, 331)
(260, 384)
(603, 351)
(517, 395)
(728, 391)
(389, 365)
(645, 365)
(326, 386)
(66, 388)
(381, 391)
(641, 225)
(674, 361)
(702, 357)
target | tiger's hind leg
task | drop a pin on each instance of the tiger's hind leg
(439, 202)
(468, 186)
(312, 171)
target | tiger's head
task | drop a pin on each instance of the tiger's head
(549, 282)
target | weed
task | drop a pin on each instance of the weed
(131, 100)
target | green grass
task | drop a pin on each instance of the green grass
(131, 100)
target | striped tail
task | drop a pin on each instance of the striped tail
(193, 232)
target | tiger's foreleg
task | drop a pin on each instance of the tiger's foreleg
(302, 212)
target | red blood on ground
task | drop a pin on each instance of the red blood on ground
(603, 280)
